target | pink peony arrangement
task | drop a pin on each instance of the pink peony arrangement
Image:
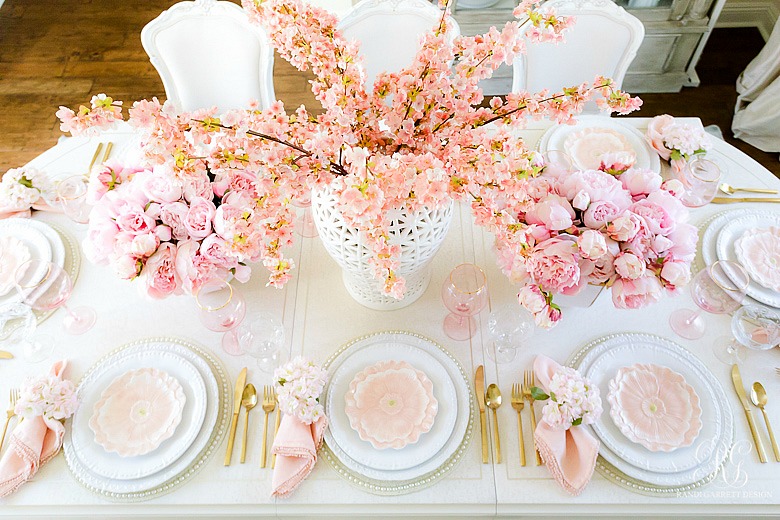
(215, 191)
(619, 226)
(48, 396)
(676, 142)
(573, 400)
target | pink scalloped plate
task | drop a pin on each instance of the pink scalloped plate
(391, 404)
(758, 250)
(137, 412)
(654, 406)
(588, 145)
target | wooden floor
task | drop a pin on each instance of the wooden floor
(61, 52)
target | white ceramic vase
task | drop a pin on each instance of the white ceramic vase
(420, 236)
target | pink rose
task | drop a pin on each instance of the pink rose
(592, 244)
(554, 212)
(199, 217)
(641, 181)
(630, 266)
(553, 265)
(599, 213)
(531, 297)
(677, 274)
(159, 277)
(160, 185)
(658, 126)
(624, 228)
(633, 294)
(173, 215)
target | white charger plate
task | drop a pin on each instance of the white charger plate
(712, 451)
(113, 466)
(35, 242)
(410, 455)
(724, 246)
(382, 482)
(209, 437)
(555, 137)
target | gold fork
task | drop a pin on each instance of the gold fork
(528, 382)
(14, 398)
(269, 403)
(276, 427)
(517, 404)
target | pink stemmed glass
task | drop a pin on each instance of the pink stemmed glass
(45, 286)
(700, 178)
(306, 227)
(464, 293)
(718, 289)
(222, 310)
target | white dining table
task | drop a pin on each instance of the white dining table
(319, 316)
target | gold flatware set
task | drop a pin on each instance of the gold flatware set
(106, 154)
(491, 398)
(4, 354)
(759, 399)
(246, 395)
(731, 190)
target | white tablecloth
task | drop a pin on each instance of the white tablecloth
(319, 316)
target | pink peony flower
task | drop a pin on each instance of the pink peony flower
(600, 213)
(531, 297)
(199, 217)
(684, 236)
(173, 215)
(554, 212)
(159, 277)
(160, 185)
(553, 265)
(592, 244)
(633, 294)
(624, 228)
(676, 274)
(656, 131)
(215, 250)
(629, 266)
(615, 163)
(598, 185)
(658, 221)
(640, 181)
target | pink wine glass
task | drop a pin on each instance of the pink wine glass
(45, 286)
(718, 289)
(72, 198)
(464, 293)
(700, 178)
(222, 310)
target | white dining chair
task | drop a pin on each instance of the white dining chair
(390, 31)
(603, 41)
(208, 54)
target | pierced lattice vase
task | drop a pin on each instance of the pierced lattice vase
(420, 236)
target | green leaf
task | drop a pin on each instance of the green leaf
(552, 396)
(577, 421)
(675, 155)
(538, 394)
(24, 181)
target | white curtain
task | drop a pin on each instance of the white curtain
(757, 114)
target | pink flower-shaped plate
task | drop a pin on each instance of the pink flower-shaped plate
(588, 145)
(390, 404)
(654, 406)
(758, 250)
(137, 412)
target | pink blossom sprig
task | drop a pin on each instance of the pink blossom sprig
(102, 112)
(298, 386)
(47, 396)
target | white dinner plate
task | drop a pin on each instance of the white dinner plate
(35, 242)
(411, 455)
(211, 432)
(392, 482)
(113, 466)
(555, 138)
(731, 231)
(710, 451)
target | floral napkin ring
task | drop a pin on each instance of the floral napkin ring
(572, 400)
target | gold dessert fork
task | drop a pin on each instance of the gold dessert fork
(528, 382)
(269, 403)
(10, 413)
(517, 404)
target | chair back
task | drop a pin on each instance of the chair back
(208, 54)
(389, 32)
(603, 41)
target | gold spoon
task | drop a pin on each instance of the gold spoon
(731, 190)
(759, 398)
(493, 400)
(248, 401)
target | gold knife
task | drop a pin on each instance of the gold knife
(479, 384)
(238, 391)
(729, 200)
(736, 377)
(6, 355)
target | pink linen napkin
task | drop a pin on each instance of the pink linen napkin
(33, 442)
(295, 446)
(41, 205)
(570, 455)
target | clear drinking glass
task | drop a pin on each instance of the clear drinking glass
(557, 163)
(700, 178)
(222, 310)
(263, 339)
(718, 289)
(17, 328)
(45, 286)
(754, 327)
(464, 293)
(305, 225)
(509, 328)
(72, 198)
